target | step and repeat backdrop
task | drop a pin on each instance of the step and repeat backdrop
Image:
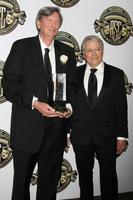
(113, 22)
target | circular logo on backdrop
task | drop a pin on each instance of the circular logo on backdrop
(68, 39)
(2, 98)
(128, 86)
(114, 25)
(5, 150)
(10, 16)
(65, 3)
(67, 175)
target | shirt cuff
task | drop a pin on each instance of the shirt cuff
(122, 138)
(68, 105)
(68, 135)
(33, 100)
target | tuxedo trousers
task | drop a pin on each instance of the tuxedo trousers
(49, 162)
(85, 159)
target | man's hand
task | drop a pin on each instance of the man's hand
(66, 114)
(121, 146)
(46, 110)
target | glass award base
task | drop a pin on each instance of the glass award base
(60, 106)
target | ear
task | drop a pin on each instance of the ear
(38, 24)
(83, 53)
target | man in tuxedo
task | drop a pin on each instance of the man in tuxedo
(99, 124)
(38, 131)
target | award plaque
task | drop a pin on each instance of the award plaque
(59, 94)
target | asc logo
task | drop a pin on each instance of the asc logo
(65, 3)
(5, 150)
(115, 25)
(2, 98)
(10, 16)
(67, 175)
(68, 39)
(128, 86)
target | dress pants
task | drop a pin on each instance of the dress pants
(106, 156)
(49, 160)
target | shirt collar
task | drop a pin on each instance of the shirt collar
(43, 45)
(100, 67)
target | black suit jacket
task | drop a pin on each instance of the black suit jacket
(24, 77)
(107, 120)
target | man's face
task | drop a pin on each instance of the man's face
(93, 53)
(49, 25)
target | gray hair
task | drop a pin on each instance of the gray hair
(47, 11)
(90, 38)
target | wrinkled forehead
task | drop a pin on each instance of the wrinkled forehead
(92, 44)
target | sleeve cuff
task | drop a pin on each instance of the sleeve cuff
(69, 107)
(33, 100)
(122, 138)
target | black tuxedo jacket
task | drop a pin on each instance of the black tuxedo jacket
(24, 77)
(107, 120)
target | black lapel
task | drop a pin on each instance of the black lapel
(58, 51)
(106, 80)
(81, 72)
(37, 58)
(36, 54)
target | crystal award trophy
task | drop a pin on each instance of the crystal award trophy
(59, 94)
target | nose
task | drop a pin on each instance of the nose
(54, 25)
(94, 52)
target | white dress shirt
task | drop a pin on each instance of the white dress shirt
(99, 74)
(51, 54)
